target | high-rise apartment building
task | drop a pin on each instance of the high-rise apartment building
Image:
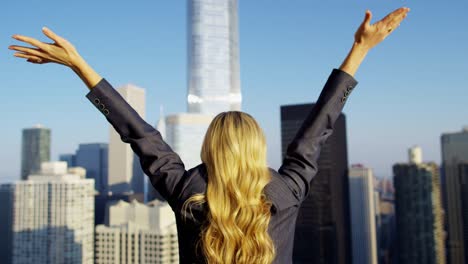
(454, 152)
(419, 213)
(51, 217)
(35, 149)
(138, 233)
(323, 224)
(363, 216)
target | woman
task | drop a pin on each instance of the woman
(231, 208)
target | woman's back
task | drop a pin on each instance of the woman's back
(286, 189)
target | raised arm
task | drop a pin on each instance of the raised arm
(163, 166)
(300, 161)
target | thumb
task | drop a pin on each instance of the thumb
(367, 18)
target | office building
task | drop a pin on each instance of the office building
(70, 159)
(35, 149)
(323, 232)
(125, 173)
(454, 151)
(213, 57)
(363, 215)
(185, 133)
(94, 158)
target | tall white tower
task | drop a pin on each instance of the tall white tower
(213, 56)
(363, 229)
(125, 174)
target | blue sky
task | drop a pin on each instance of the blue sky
(412, 87)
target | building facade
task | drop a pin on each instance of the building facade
(363, 215)
(185, 133)
(52, 217)
(323, 232)
(94, 158)
(454, 152)
(125, 173)
(419, 214)
(137, 233)
(213, 56)
(35, 149)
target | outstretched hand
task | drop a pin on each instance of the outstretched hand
(369, 35)
(61, 51)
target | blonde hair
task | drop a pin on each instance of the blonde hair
(236, 227)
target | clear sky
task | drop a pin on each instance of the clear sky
(412, 87)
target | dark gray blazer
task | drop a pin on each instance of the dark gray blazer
(287, 190)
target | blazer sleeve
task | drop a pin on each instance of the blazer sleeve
(300, 161)
(163, 166)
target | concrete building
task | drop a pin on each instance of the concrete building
(125, 173)
(51, 217)
(419, 213)
(35, 149)
(185, 133)
(363, 215)
(137, 233)
(454, 151)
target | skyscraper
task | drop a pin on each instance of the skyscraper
(125, 173)
(463, 172)
(94, 158)
(35, 149)
(419, 214)
(323, 224)
(186, 133)
(454, 152)
(363, 226)
(6, 222)
(138, 233)
(52, 219)
(213, 81)
(70, 159)
(213, 56)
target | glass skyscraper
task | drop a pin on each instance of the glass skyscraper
(94, 158)
(454, 152)
(213, 56)
(322, 232)
(34, 150)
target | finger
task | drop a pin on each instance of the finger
(30, 58)
(395, 15)
(395, 22)
(29, 40)
(50, 34)
(25, 50)
(367, 18)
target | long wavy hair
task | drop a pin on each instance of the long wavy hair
(235, 231)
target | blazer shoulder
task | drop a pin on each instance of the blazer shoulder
(280, 193)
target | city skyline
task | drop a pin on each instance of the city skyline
(283, 53)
